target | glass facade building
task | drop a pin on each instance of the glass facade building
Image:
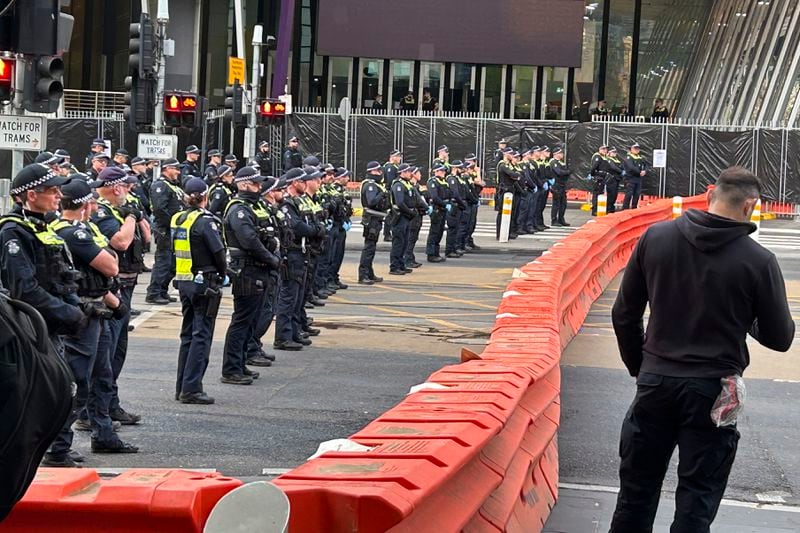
(720, 61)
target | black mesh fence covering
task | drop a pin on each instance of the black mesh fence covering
(768, 162)
(792, 189)
(718, 150)
(583, 141)
(679, 160)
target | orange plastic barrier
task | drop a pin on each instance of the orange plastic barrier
(479, 453)
(75, 500)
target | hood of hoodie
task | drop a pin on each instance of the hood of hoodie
(708, 232)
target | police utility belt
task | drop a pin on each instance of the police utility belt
(374, 213)
(244, 259)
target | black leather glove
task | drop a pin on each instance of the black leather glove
(121, 311)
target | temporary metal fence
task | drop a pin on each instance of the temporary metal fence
(696, 153)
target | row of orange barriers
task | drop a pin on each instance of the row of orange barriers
(478, 450)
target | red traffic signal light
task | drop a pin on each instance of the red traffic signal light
(6, 70)
(270, 109)
(180, 109)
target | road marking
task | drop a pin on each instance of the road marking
(725, 501)
(440, 297)
(274, 471)
(144, 317)
(785, 380)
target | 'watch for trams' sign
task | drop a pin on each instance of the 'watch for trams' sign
(19, 132)
(153, 146)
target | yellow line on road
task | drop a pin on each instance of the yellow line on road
(440, 297)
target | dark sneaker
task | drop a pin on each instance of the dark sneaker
(452, 255)
(237, 379)
(565, 223)
(321, 295)
(76, 456)
(82, 425)
(436, 259)
(170, 298)
(287, 345)
(366, 282)
(135, 312)
(304, 342)
(259, 360)
(317, 302)
(124, 418)
(474, 247)
(157, 300)
(252, 374)
(199, 398)
(340, 285)
(59, 462)
(312, 332)
(376, 279)
(113, 447)
(397, 272)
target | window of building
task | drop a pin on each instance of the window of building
(586, 87)
(371, 81)
(400, 84)
(462, 86)
(619, 56)
(554, 93)
(493, 82)
(341, 75)
(430, 90)
(522, 87)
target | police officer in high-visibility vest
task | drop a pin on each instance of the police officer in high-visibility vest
(598, 174)
(375, 202)
(441, 204)
(222, 191)
(248, 240)
(127, 232)
(341, 226)
(290, 321)
(166, 198)
(200, 269)
(390, 174)
(35, 267)
(473, 173)
(88, 352)
(458, 211)
(415, 225)
(405, 208)
(635, 169)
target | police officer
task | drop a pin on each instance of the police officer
(614, 171)
(97, 163)
(231, 161)
(456, 213)
(200, 268)
(290, 320)
(310, 208)
(292, 157)
(341, 226)
(473, 173)
(375, 202)
(442, 157)
(470, 198)
(264, 159)
(390, 174)
(121, 157)
(66, 160)
(87, 352)
(422, 209)
(636, 167)
(221, 192)
(545, 182)
(598, 174)
(127, 233)
(190, 166)
(166, 199)
(404, 206)
(499, 153)
(508, 178)
(35, 267)
(98, 147)
(210, 173)
(248, 239)
(440, 203)
(141, 189)
(561, 172)
(327, 198)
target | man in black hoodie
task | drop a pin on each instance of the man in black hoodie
(708, 285)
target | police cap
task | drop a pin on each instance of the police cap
(293, 175)
(35, 175)
(457, 164)
(78, 191)
(171, 163)
(47, 158)
(341, 172)
(374, 165)
(111, 176)
(404, 167)
(214, 153)
(248, 174)
(192, 149)
(223, 170)
(99, 142)
(195, 186)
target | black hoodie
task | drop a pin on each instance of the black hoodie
(708, 284)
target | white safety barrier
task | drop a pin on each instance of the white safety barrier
(677, 206)
(755, 218)
(505, 218)
(602, 203)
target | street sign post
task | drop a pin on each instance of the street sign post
(153, 146)
(18, 132)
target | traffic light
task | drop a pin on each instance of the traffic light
(271, 111)
(181, 109)
(6, 77)
(142, 48)
(140, 101)
(43, 87)
(234, 95)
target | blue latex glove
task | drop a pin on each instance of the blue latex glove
(347, 226)
(430, 209)
(546, 186)
(226, 282)
(535, 189)
(551, 181)
(449, 207)
(589, 177)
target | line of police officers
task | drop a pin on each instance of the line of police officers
(608, 172)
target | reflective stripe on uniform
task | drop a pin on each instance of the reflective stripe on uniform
(182, 243)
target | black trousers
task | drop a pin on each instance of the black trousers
(164, 266)
(372, 232)
(541, 203)
(559, 203)
(255, 345)
(289, 319)
(633, 189)
(118, 330)
(436, 232)
(612, 190)
(598, 188)
(246, 310)
(453, 225)
(669, 412)
(414, 228)
(197, 334)
(473, 223)
(399, 242)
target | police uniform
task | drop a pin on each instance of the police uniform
(470, 200)
(166, 199)
(421, 208)
(454, 216)
(220, 194)
(545, 181)
(88, 352)
(475, 200)
(200, 268)
(613, 168)
(292, 158)
(188, 170)
(96, 143)
(390, 174)
(633, 165)
(375, 202)
(343, 210)
(326, 198)
(264, 160)
(561, 172)
(246, 222)
(109, 220)
(598, 174)
(404, 206)
(289, 321)
(440, 201)
(35, 268)
(507, 181)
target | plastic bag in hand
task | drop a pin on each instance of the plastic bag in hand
(729, 402)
